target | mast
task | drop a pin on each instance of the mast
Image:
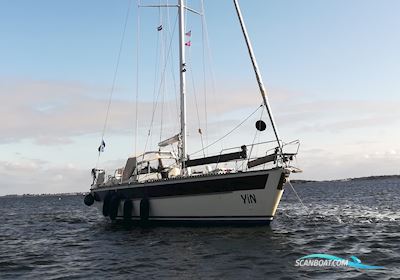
(182, 70)
(257, 72)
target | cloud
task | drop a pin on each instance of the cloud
(337, 115)
(52, 140)
(339, 126)
(38, 176)
(53, 112)
(326, 165)
(24, 165)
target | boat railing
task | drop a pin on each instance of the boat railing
(280, 155)
(255, 156)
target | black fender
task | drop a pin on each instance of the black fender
(114, 205)
(144, 209)
(106, 204)
(128, 206)
(96, 196)
(89, 199)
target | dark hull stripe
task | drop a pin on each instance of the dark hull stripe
(204, 217)
(214, 184)
(198, 223)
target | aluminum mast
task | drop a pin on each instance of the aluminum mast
(182, 70)
(257, 72)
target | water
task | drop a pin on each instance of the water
(48, 238)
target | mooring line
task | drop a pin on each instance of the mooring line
(301, 202)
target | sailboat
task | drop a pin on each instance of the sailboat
(162, 187)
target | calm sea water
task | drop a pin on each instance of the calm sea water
(48, 238)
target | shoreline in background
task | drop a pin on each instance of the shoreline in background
(293, 181)
(380, 177)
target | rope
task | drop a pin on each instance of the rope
(163, 60)
(236, 127)
(175, 127)
(298, 197)
(254, 139)
(255, 134)
(115, 75)
(137, 75)
(203, 39)
(195, 100)
(159, 90)
(156, 71)
(301, 202)
(206, 46)
(189, 65)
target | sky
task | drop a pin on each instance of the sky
(331, 69)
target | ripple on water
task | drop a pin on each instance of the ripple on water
(47, 238)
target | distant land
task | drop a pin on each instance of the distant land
(46, 194)
(369, 178)
(293, 181)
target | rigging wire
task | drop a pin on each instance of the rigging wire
(195, 101)
(159, 90)
(203, 39)
(257, 147)
(208, 54)
(162, 58)
(173, 72)
(115, 75)
(254, 138)
(156, 71)
(232, 130)
(137, 74)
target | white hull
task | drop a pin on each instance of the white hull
(241, 196)
(254, 205)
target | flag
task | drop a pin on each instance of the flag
(189, 33)
(102, 146)
(188, 44)
(159, 28)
